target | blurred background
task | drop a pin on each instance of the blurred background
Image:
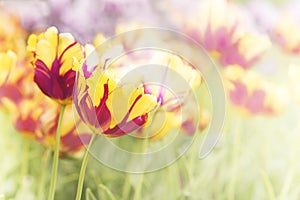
(255, 45)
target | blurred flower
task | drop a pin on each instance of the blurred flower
(283, 23)
(17, 83)
(253, 95)
(294, 75)
(264, 13)
(12, 58)
(104, 15)
(83, 18)
(11, 34)
(174, 67)
(29, 20)
(225, 37)
(7, 62)
(37, 118)
(279, 22)
(189, 124)
(53, 55)
(189, 119)
(176, 101)
(178, 80)
(287, 34)
(33, 115)
(195, 119)
(205, 118)
(106, 106)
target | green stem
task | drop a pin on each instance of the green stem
(24, 167)
(138, 188)
(83, 168)
(44, 168)
(126, 188)
(235, 159)
(56, 155)
(139, 185)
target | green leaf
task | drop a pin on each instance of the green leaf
(105, 193)
(89, 195)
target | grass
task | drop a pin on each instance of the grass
(257, 158)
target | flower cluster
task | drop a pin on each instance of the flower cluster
(57, 57)
(224, 36)
(38, 120)
(32, 114)
(252, 94)
(64, 91)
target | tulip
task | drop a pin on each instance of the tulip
(53, 55)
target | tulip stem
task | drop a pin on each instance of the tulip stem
(56, 154)
(43, 177)
(139, 185)
(83, 168)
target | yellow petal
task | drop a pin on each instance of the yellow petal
(45, 52)
(51, 35)
(96, 85)
(7, 62)
(253, 45)
(44, 45)
(65, 39)
(99, 39)
(144, 105)
(118, 103)
(162, 123)
(31, 43)
(68, 58)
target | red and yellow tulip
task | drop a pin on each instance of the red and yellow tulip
(106, 106)
(53, 55)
